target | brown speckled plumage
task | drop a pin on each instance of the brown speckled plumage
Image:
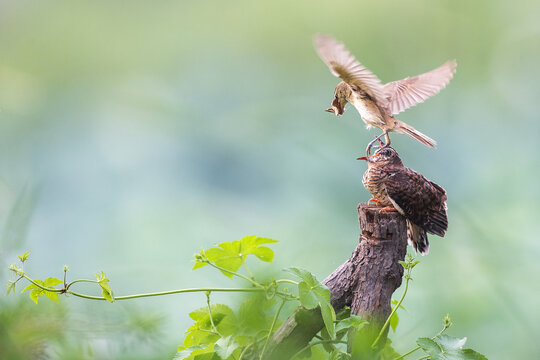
(421, 201)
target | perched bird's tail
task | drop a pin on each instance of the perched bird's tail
(417, 238)
(403, 128)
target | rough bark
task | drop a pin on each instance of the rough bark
(365, 282)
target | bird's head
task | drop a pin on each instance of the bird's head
(341, 94)
(385, 156)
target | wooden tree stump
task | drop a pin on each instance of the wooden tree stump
(365, 282)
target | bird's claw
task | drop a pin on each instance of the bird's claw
(381, 144)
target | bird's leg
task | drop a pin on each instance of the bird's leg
(386, 138)
(374, 200)
(387, 208)
(378, 138)
(368, 148)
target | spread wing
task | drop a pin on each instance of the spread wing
(403, 94)
(423, 202)
(343, 64)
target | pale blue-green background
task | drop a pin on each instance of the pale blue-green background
(134, 133)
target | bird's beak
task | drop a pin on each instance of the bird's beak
(330, 110)
(367, 157)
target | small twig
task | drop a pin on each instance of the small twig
(207, 293)
(248, 270)
(80, 280)
(65, 276)
(287, 281)
(135, 296)
(407, 279)
(272, 328)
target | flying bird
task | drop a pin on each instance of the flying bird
(377, 103)
(422, 202)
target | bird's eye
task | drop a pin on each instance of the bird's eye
(335, 97)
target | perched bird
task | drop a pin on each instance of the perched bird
(377, 103)
(422, 202)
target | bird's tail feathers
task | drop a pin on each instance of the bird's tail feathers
(417, 238)
(415, 134)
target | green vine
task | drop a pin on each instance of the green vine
(219, 332)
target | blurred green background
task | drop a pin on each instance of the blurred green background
(133, 133)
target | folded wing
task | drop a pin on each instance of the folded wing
(422, 201)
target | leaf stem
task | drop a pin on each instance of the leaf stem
(446, 326)
(253, 282)
(407, 279)
(135, 296)
(244, 351)
(248, 270)
(207, 293)
(272, 328)
(318, 343)
(41, 286)
(287, 281)
(80, 280)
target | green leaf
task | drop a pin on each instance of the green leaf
(305, 275)
(226, 256)
(185, 352)
(308, 298)
(344, 313)
(11, 287)
(52, 295)
(403, 263)
(52, 282)
(252, 245)
(197, 337)
(199, 265)
(354, 321)
(38, 292)
(447, 347)
(329, 347)
(225, 346)
(15, 269)
(224, 319)
(316, 354)
(251, 315)
(24, 256)
(395, 302)
(328, 316)
(264, 253)
(105, 288)
(339, 355)
(231, 255)
(388, 352)
(394, 321)
(312, 294)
